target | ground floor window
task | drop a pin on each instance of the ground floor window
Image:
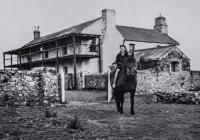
(46, 54)
(174, 66)
(65, 69)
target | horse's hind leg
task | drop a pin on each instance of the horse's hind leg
(132, 102)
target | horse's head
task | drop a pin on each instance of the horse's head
(129, 66)
(130, 60)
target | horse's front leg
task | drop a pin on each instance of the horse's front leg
(121, 103)
(117, 101)
(132, 103)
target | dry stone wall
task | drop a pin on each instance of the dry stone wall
(35, 87)
(150, 81)
(96, 81)
(195, 81)
(168, 87)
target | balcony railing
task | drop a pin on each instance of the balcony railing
(56, 52)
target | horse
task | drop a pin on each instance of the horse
(126, 82)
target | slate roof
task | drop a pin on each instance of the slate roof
(155, 53)
(73, 29)
(145, 35)
(129, 33)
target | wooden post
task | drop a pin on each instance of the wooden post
(11, 60)
(100, 56)
(30, 58)
(109, 87)
(74, 61)
(42, 56)
(4, 63)
(61, 86)
(20, 60)
(57, 64)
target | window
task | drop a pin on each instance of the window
(64, 50)
(65, 70)
(93, 48)
(174, 66)
(46, 54)
(131, 47)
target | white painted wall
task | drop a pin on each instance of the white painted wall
(90, 65)
(95, 28)
(143, 45)
(70, 66)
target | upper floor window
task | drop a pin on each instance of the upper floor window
(93, 46)
(64, 50)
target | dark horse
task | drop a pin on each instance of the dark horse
(126, 82)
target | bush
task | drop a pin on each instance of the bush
(50, 112)
(75, 124)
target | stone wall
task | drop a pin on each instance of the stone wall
(97, 81)
(151, 81)
(35, 87)
(195, 80)
(178, 97)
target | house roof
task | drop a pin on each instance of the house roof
(73, 29)
(155, 53)
(129, 33)
(145, 35)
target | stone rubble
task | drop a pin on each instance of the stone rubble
(178, 97)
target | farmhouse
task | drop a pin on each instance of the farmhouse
(91, 47)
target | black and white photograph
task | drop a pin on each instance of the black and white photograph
(99, 70)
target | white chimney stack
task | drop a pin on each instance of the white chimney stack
(109, 18)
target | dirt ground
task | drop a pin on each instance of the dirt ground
(100, 121)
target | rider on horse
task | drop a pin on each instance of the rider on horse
(120, 58)
(125, 78)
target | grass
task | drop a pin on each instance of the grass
(99, 120)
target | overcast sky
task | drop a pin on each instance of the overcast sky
(17, 18)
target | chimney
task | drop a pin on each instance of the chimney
(160, 25)
(36, 33)
(109, 18)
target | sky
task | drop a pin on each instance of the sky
(18, 18)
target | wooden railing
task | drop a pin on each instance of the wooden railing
(80, 49)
